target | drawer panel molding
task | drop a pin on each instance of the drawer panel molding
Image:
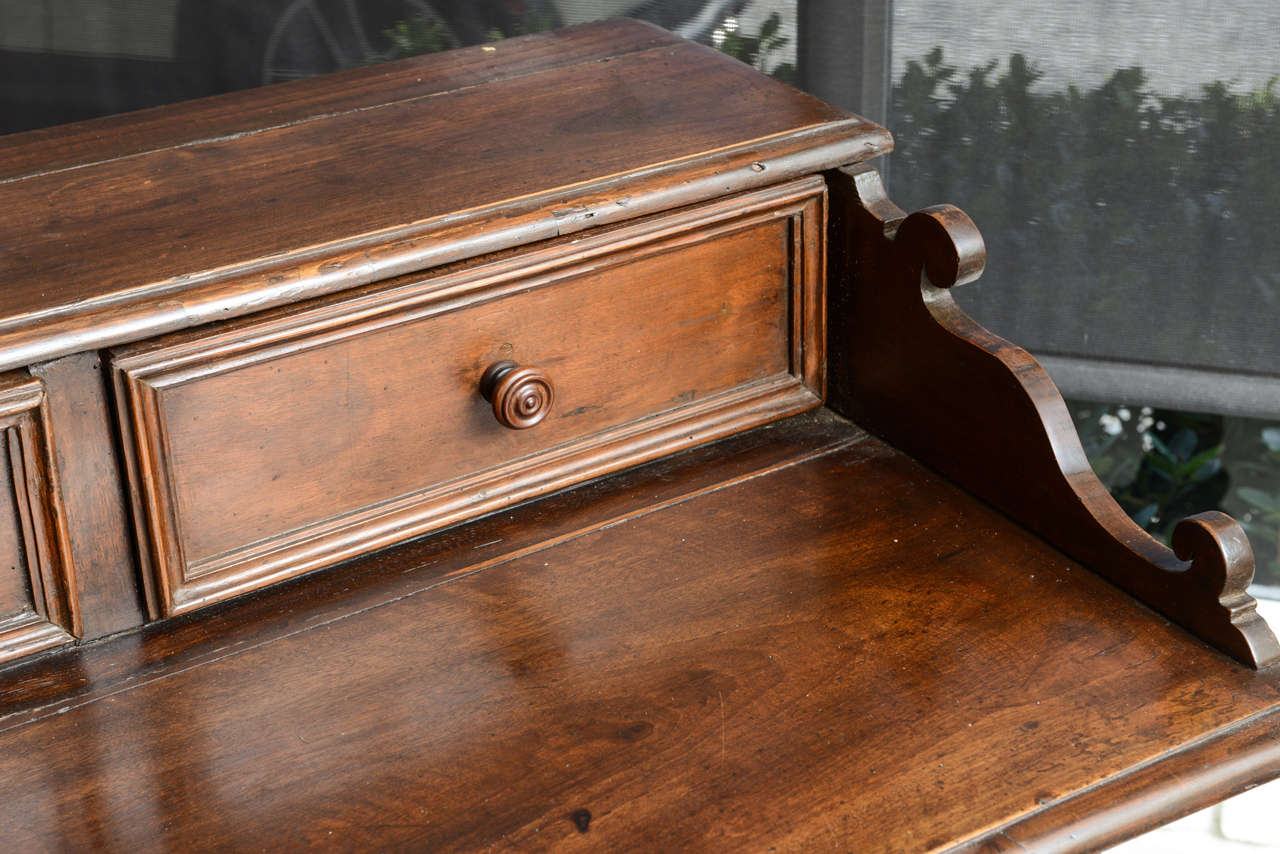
(264, 448)
(38, 607)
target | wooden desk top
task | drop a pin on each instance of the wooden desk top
(124, 227)
(795, 640)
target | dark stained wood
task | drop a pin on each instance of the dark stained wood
(918, 372)
(267, 448)
(226, 226)
(38, 685)
(868, 660)
(99, 537)
(1231, 761)
(38, 605)
(521, 395)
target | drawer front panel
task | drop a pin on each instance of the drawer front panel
(273, 446)
(37, 587)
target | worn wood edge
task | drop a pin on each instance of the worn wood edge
(182, 588)
(29, 633)
(1219, 765)
(911, 262)
(183, 357)
(206, 296)
(136, 404)
(53, 540)
(808, 294)
(231, 115)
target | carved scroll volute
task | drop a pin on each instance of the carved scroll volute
(923, 375)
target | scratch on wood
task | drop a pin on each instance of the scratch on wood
(722, 737)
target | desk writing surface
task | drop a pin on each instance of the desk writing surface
(799, 639)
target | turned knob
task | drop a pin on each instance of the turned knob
(521, 396)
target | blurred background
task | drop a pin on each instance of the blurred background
(1119, 156)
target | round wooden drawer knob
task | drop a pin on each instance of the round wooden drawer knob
(521, 396)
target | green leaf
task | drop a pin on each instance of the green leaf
(770, 26)
(1161, 447)
(1203, 465)
(1162, 465)
(1183, 443)
(1203, 470)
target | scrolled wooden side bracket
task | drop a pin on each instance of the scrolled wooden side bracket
(916, 370)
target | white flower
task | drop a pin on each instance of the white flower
(731, 24)
(1110, 424)
(717, 37)
(1124, 413)
(1147, 443)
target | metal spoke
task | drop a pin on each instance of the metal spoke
(335, 47)
(357, 27)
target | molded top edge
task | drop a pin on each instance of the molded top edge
(171, 217)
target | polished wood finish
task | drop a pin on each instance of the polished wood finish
(108, 590)
(33, 688)
(980, 410)
(226, 225)
(225, 117)
(1226, 763)
(38, 606)
(266, 448)
(802, 639)
(521, 396)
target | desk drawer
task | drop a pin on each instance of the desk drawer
(265, 448)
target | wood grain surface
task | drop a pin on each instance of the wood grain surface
(824, 647)
(100, 542)
(213, 227)
(72, 146)
(267, 448)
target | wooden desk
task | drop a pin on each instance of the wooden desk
(356, 324)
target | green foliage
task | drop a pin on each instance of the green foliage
(418, 35)
(1261, 503)
(1174, 479)
(1162, 465)
(1113, 191)
(531, 21)
(755, 50)
(427, 34)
